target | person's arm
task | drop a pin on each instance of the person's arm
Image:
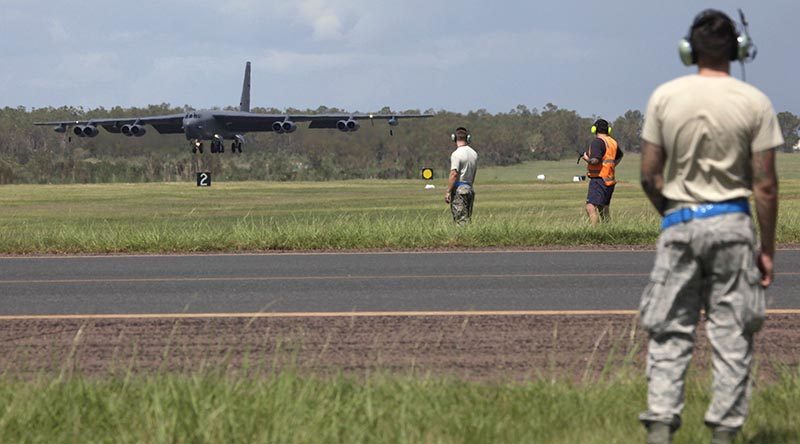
(619, 156)
(765, 192)
(595, 153)
(652, 175)
(451, 183)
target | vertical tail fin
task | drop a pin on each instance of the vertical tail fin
(244, 104)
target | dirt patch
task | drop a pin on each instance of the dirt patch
(475, 348)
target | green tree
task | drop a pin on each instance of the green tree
(627, 130)
(790, 124)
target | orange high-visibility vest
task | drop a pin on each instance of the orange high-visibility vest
(605, 168)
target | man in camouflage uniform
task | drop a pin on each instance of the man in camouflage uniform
(463, 164)
(709, 144)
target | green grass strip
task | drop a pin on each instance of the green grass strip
(287, 408)
(363, 214)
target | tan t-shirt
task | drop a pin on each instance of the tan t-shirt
(709, 127)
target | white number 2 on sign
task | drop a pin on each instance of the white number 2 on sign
(204, 179)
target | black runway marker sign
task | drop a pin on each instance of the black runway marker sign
(204, 179)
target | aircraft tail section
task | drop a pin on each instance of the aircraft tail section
(244, 104)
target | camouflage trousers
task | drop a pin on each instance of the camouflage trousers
(703, 264)
(461, 203)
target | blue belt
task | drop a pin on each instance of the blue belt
(682, 215)
(458, 184)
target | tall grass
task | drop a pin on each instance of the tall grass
(347, 231)
(279, 398)
(288, 408)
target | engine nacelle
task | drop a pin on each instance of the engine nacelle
(393, 121)
(285, 126)
(137, 130)
(60, 129)
(288, 126)
(90, 131)
(347, 125)
(85, 131)
(126, 129)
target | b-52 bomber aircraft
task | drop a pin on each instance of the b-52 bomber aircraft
(218, 126)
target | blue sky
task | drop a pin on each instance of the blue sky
(599, 58)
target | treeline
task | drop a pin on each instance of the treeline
(30, 154)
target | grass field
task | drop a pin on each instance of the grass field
(286, 408)
(512, 210)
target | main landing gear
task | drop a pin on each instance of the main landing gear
(217, 146)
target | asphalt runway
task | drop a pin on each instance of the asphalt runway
(325, 283)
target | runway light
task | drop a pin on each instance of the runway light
(427, 173)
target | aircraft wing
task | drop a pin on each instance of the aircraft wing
(254, 122)
(168, 124)
(331, 120)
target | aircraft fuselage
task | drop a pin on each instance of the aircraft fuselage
(201, 125)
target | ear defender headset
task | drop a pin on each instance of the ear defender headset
(594, 126)
(744, 44)
(453, 134)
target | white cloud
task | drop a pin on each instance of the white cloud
(323, 17)
(326, 20)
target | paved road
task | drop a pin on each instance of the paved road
(451, 281)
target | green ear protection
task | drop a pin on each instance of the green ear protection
(453, 135)
(594, 129)
(744, 45)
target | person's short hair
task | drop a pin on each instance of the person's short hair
(713, 36)
(601, 126)
(462, 134)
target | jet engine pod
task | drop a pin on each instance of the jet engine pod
(138, 130)
(347, 125)
(393, 121)
(288, 126)
(277, 126)
(126, 129)
(90, 131)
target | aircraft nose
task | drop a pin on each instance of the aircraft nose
(190, 126)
